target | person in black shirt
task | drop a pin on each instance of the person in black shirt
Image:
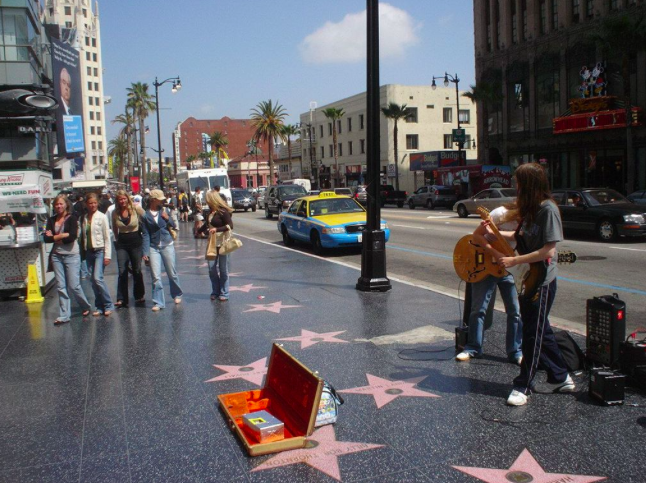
(219, 223)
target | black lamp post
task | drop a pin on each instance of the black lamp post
(373, 254)
(177, 85)
(455, 80)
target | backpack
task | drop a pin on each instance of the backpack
(184, 200)
(572, 354)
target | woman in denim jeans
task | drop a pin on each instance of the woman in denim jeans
(95, 234)
(158, 248)
(62, 229)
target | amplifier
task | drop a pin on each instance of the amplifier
(632, 356)
(607, 387)
(606, 329)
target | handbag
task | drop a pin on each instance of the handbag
(229, 244)
(329, 406)
(211, 247)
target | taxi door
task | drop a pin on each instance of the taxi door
(294, 220)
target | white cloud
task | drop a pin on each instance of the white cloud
(345, 41)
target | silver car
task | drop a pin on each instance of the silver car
(431, 196)
(489, 199)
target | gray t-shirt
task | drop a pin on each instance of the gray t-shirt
(547, 228)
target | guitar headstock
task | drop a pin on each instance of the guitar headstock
(566, 258)
(483, 212)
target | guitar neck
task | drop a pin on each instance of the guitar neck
(502, 245)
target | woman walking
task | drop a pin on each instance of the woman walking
(539, 231)
(96, 241)
(219, 223)
(126, 224)
(62, 229)
(158, 247)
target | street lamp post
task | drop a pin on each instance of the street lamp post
(177, 85)
(310, 129)
(455, 80)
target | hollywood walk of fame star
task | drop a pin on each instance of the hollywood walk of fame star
(244, 288)
(309, 338)
(275, 308)
(321, 453)
(525, 470)
(254, 372)
(384, 390)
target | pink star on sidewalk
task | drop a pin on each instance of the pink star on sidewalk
(244, 288)
(321, 452)
(276, 307)
(254, 372)
(308, 338)
(524, 469)
(384, 391)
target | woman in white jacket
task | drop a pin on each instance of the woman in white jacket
(97, 246)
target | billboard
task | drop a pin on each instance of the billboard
(68, 91)
(430, 160)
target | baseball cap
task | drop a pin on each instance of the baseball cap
(147, 190)
(137, 199)
(157, 195)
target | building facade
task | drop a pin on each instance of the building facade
(79, 24)
(433, 116)
(551, 93)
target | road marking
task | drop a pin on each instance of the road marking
(437, 217)
(428, 254)
(631, 249)
(413, 227)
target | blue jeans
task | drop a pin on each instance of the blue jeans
(66, 270)
(165, 255)
(102, 299)
(220, 281)
(481, 293)
(84, 270)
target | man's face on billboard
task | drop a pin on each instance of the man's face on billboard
(66, 86)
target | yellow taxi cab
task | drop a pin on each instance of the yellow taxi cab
(326, 220)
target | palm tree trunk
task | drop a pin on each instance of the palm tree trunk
(144, 163)
(271, 163)
(336, 155)
(129, 146)
(396, 159)
(289, 153)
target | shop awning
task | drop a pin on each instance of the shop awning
(21, 198)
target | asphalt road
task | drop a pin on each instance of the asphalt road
(421, 247)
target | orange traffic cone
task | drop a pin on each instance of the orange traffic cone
(33, 287)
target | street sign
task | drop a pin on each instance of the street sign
(391, 170)
(459, 136)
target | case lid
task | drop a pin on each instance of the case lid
(298, 388)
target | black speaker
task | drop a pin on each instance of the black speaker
(606, 329)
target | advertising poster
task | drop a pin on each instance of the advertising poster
(67, 90)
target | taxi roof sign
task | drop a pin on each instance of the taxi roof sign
(327, 194)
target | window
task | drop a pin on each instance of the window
(96, 72)
(96, 101)
(360, 121)
(488, 22)
(93, 42)
(89, 86)
(523, 6)
(68, 10)
(340, 149)
(498, 26)
(91, 129)
(90, 100)
(518, 107)
(514, 23)
(93, 144)
(87, 56)
(349, 124)
(331, 150)
(98, 130)
(555, 15)
(322, 152)
(412, 141)
(412, 115)
(98, 116)
(547, 94)
(51, 11)
(338, 126)
(465, 116)
(87, 41)
(89, 71)
(85, 12)
(329, 129)
(589, 8)
(94, 57)
(92, 115)
(350, 148)
(576, 7)
(447, 114)
(543, 16)
(448, 141)
(321, 126)
(362, 145)
(68, 25)
(96, 86)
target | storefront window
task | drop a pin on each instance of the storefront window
(518, 106)
(547, 95)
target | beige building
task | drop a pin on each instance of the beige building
(79, 15)
(429, 128)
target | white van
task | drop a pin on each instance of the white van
(305, 183)
(205, 179)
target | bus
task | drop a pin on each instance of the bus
(205, 179)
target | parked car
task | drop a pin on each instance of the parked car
(489, 199)
(243, 200)
(431, 196)
(360, 194)
(259, 194)
(390, 196)
(638, 197)
(279, 197)
(601, 211)
(326, 221)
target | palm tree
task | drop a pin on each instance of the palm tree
(396, 112)
(290, 130)
(268, 119)
(334, 115)
(204, 156)
(142, 104)
(118, 148)
(126, 132)
(189, 161)
(218, 140)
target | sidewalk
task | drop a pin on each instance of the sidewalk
(133, 397)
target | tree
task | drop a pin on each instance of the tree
(189, 161)
(141, 101)
(396, 112)
(268, 119)
(218, 140)
(118, 148)
(126, 132)
(290, 130)
(334, 115)
(623, 37)
(204, 156)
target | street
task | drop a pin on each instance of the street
(421, 247)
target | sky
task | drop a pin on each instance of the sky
(233, 54)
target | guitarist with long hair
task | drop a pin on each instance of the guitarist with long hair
(539, 231)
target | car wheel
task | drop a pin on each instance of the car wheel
(315, 238)
(462, 211)
(606, 230)
(253, 208)
(430, 205)
(268, 215)
(411, 205)
(400, 204)
(287, 240)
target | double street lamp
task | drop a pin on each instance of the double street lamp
(455, 80)
(177, 85)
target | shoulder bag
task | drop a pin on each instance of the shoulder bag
(229, 243)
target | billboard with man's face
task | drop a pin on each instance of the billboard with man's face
(67, 89)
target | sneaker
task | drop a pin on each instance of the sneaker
(516, 398)
(156, 308)
(463, 356)
(518, 360)
(178, 300)
(565, 386)
(222, 298)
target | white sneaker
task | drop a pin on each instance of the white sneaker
(516, 398)
(178, 300)
(463, 356)
(565, 386)
(156, 308)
